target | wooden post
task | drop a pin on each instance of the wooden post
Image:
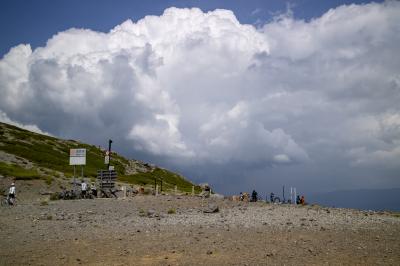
(156, 190)
(124, 191)
(192, 190)
(176, 189)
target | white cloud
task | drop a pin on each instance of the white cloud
(194, 87)
(5, 119)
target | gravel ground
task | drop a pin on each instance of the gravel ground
(172, 230)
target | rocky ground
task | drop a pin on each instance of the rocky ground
(175, 230)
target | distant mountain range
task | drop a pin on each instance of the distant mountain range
(364, 199)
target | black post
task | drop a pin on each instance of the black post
(109, 154)
(161, 185)
(155, 184)
(283, 194)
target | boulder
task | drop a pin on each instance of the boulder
(211, 208)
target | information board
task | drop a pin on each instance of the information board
(77, 156)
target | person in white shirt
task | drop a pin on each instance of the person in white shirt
(83, 188)
(11, 194)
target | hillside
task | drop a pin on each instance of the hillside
(25, 155)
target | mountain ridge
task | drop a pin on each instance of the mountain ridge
(26, 155)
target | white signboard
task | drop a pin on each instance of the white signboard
(77, 156)
(111, 168)
(107, 159)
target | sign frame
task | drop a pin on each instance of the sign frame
(77, 157)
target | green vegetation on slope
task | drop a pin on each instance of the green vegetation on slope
(47, 152)
(19, 173)
(169, 180)
(52, 153)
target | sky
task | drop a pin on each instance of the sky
(240, 94)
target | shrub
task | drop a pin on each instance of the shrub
(171, 211)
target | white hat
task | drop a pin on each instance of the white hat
(12, 184)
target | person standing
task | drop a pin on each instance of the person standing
(11, 194)
(254, 196)
(83, 188)
(298, 200)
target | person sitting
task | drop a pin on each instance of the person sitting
(241, 196)
(298, 199)
(302, 200)
(93, 189)
(254, 196)
(272, 197)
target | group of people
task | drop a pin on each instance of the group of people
(273, 198)
(301, 200)
(245, 196)
(85, 187)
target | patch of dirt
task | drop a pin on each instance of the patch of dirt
(11, 158)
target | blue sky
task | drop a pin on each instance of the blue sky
(36, 21)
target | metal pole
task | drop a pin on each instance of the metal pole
(291, 195)
(74, 178)
(283, 192)
(109, 154)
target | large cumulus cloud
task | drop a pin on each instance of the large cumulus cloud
(202, 91)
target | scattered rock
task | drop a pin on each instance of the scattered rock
(211, 208)
(151, 213)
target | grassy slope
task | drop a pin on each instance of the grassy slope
(52, 153)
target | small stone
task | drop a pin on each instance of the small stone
(209, 252)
